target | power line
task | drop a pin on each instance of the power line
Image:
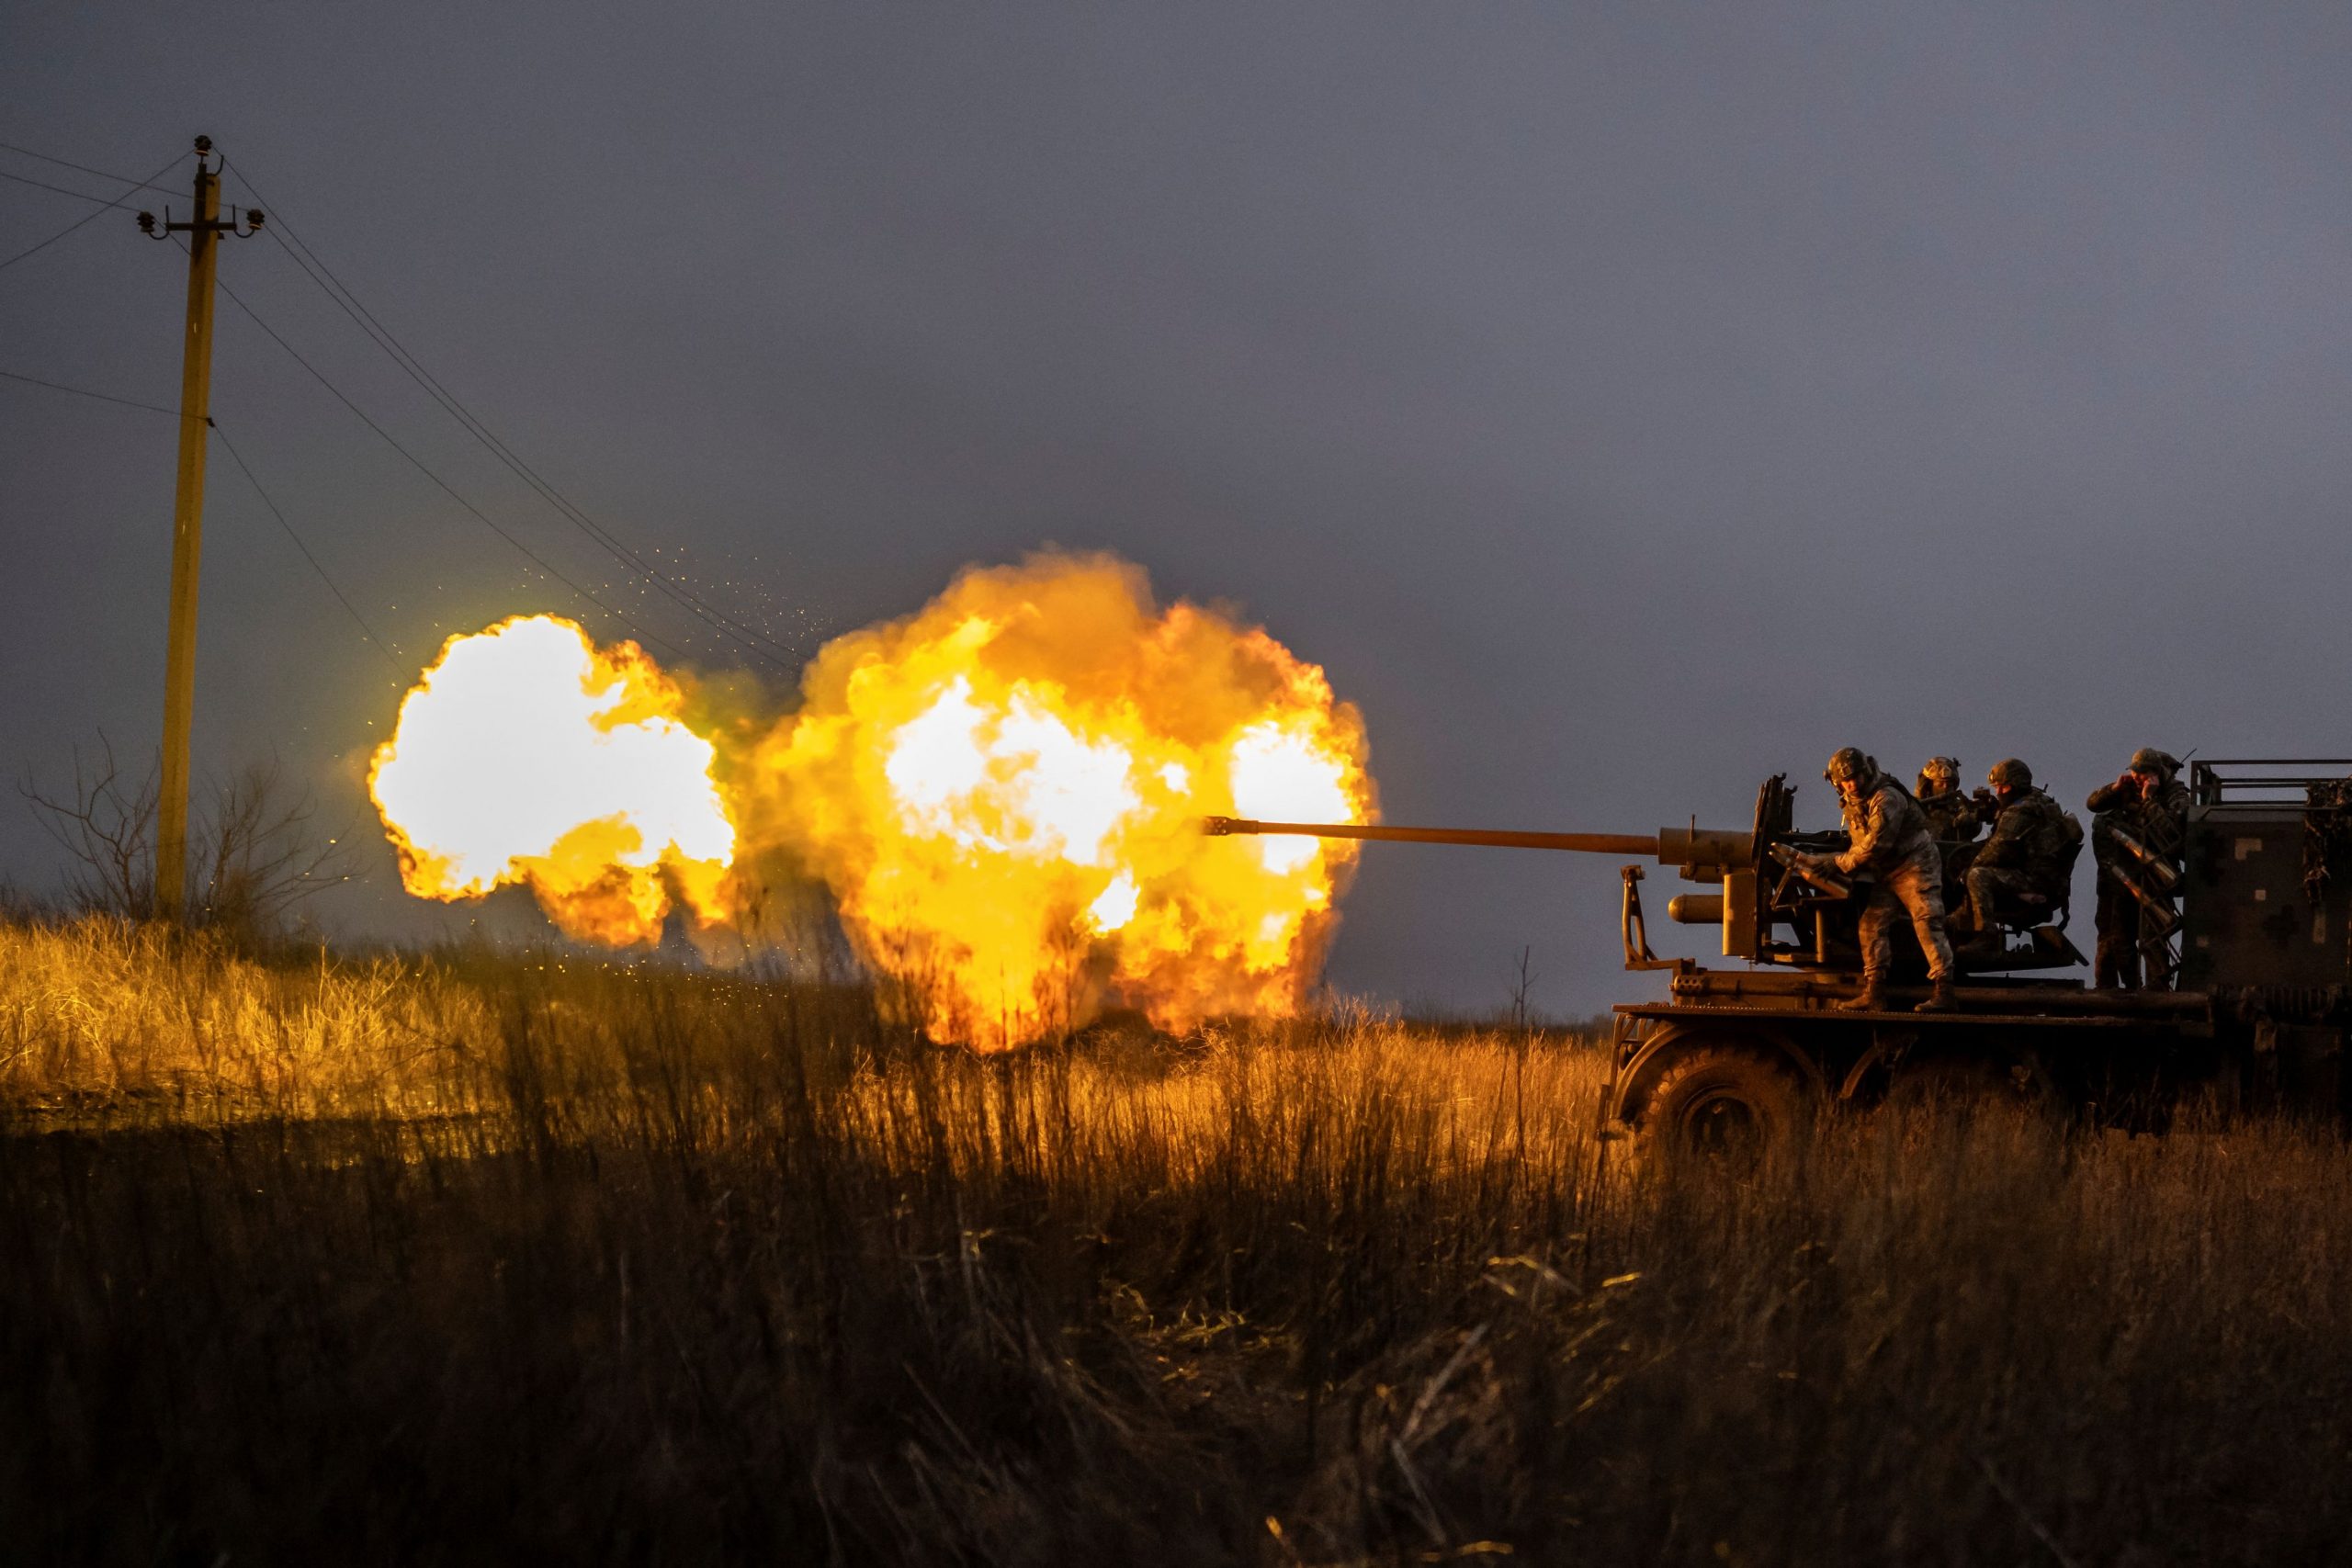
(418, 463)
(400, 671)
(78, 194)
(101, 200)
(130, 184)
(749, 639)
(147, 184)
(85, 392)
(315, 267)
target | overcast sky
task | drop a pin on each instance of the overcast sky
(1621, 403)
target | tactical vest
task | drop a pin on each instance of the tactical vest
(2048, 840)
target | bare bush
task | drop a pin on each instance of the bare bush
(254, 849)
(106, 823)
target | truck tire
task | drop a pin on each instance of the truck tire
(1725, 1105)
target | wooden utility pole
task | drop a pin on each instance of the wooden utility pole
(203, 232)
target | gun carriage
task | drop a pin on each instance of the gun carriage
(1740, 1056)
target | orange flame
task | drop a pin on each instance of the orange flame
(1002, 793)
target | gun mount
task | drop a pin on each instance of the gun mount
(1739, 1057)
(1776, 905)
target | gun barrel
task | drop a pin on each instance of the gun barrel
(1581, 843)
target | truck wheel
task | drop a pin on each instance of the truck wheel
(1725, 1106)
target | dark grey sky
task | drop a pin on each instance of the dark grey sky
(1622, 402)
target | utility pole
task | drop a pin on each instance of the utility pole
(203, 231)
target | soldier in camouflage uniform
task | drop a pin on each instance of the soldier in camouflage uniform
(1889, 839)
(2150, 803)
(1953, 820)
(2027, 857)
(1952, 816)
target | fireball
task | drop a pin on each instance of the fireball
(529, 755)
(1004, 793)
(1001, 794)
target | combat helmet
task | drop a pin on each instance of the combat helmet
(2010, 774)
(1851, 762)
(2148, 759)
(1941, 771)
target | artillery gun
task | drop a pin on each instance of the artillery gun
(1741, 1056)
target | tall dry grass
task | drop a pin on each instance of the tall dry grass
(503, 1261)
(111, 1016)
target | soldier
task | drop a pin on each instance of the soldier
(1889, 839)
(1952, 816)
(2026, 857)
(2149, 805)
(1954, 819)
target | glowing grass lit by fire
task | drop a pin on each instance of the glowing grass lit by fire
(1001, 794)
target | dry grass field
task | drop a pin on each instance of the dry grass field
(473, 1260)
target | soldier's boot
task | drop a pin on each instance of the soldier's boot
(1985, 942)
(1943, 998)
(1873, 997)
